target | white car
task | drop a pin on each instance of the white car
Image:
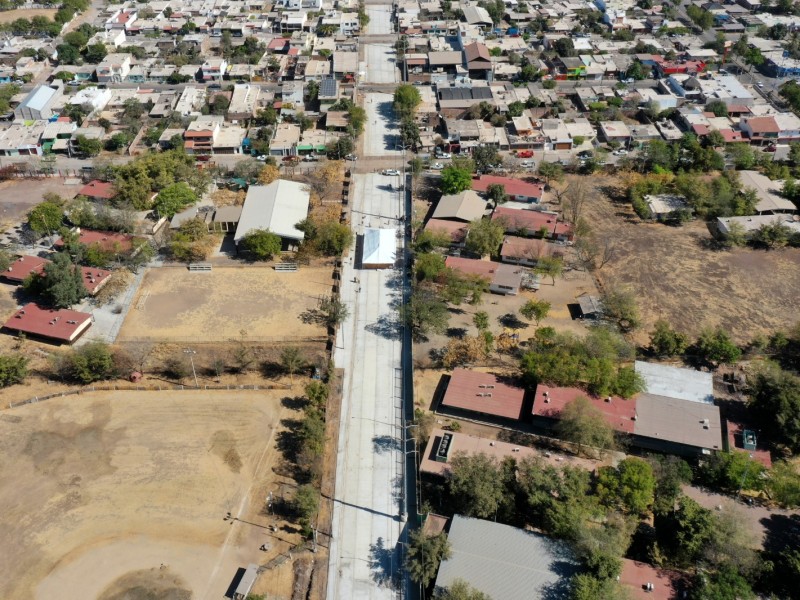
(444, 155)
(620, 152)
(262, 157)
(351, 157)
(527, 164)
(760, 84)
(437, 166)
(391, 172)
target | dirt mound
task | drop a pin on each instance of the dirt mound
(150, 584)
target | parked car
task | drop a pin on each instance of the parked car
(525, 154)
(437, 166)
(444, 155)
(390, 172)
(585, 154)
(760, 84)
(310, 158)
(289, 158)
(527, 164)
(620, 152)
(351, 157)
(262, 157)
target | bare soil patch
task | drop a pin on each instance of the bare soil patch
(7, 16)
(174, 304)
(676, 277)
(21, 195)
(122, 495)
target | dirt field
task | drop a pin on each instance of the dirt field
(122, 495)
(21, 195)
(7, 16)
(174, 304)
(745, 291)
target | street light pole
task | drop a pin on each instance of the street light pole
(191, 354)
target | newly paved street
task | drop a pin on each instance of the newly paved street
(379, 64)
(365, 554)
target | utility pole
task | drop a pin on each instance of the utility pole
(191, 354)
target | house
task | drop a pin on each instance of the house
(677, 426)
(378, 248)
(483, 395)
(201, 134)
(770, 202)
(22, 266)
(526, 251)
(278, 207)
(782, 128)
(503, 279)
(285, 140)
(94, 97)
(101, 191)
(504, 561)
(455, 230)
(443, 445)
(60, 326)
(38, 104)
(328, 93)
(90, 133)
(516, 189)
(191, 101)
(213, 69)
(114, 68)
(590, 307)
(664, 206)
(529, 223)
(556, 134)
(478, 59)
(108, 241)
(550, 401)
(615, 131)
(750, 225)
(464, 207)
(676, 382)
(21, 139)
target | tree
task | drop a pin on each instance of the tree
(46, 218)
(68, 54)
(552, 266)
(424, 554)
(425, 313)
(684, 533)
(406, 100)
(716, 347)
(551, 171)
(564, 47)
(96, 53)
(665, 341)
(496, 192)
(461, 590)
(772, 235)
(333, 238)
(535, 310)
(261, 244)
(671, 473)
(619, 306)
(630, 485)
(292, 361)
(725, 584)
(13, 369)
(429, 266)
(306, 505)
(485, 158)
(718, 107)
(268, 174)
(484, 237)
(589, 587)
(334, 311)
(475, 485)
(5, 260)
(174, 198)
(455, 179)
(317, 393)
(775, 404)
(481, 320)
(88, 146)
(584, 425)
(60, 283)
(91, 362)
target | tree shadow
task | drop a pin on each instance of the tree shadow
(456, 332)
(314, 316)
(383, 562)
(289, 440)
(387, 327)
(782, 532)
(295, 403)
(382, 444)
(512, 321)
(271, 369)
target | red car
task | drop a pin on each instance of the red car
(524, 153)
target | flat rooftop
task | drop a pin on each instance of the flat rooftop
(483, 393)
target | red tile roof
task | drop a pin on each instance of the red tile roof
(22, 266)
(456, 231)
(98, 189)
(473, 266)
(701, 129)
(529, 248)
(550, 401)
(94, 278)
(514, 187)
(107, 240)
(531, 220)
(729, 135)
(60, 325)
(636, 575)
(763, 124)
(278, 44)
(483, 393)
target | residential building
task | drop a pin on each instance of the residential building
(285, 140)
(213, 69)
(527, 251)
(465, 207)
(20, 139)
(770, 200)
(201, 134)
(530, 223)
(516, 189)
(244, 101)
(95, 97)
(191, 101)
(114, 68)
(503, 279)
(278, 207)
(482, 395)
(38, 104)
(55, 326)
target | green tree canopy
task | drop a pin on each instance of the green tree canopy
(13, 369)
(475, 485)
(485, 237)
(775, 406)
(461, 590)
(535, 310)
(406, 100)
(60, 284)
(584, 425)
(665, 341)
(46, 218)
(425, 313)
(630, 485)
(174, 198)
(716, 347)
(684, 533)
(261, 244)
(88, 363)
(485, 157)
(424, 554)
(455, 179)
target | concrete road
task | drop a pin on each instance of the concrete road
(365, 551)
(380, 64)
(380, 19)
(382, 135)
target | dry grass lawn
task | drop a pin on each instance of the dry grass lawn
(122, 494)
(678, 278)
(173, 304)
(7, 16)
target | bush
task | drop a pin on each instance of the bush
(89, 363)
(13, 369)
(261, 244)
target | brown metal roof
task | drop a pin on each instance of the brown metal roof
(483, 393)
